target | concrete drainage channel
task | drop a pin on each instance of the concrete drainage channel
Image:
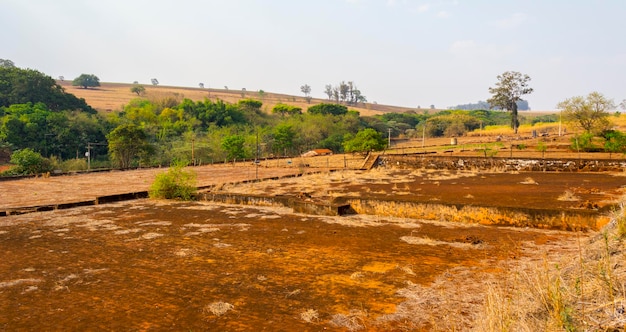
(298, 205)
(62, 206)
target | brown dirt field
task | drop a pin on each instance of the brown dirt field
(151, 265)
(155, 265)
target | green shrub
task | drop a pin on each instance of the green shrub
(27, 161)
(176, 183)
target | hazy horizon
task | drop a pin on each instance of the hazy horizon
(398, 52)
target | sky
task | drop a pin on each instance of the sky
(399, 52)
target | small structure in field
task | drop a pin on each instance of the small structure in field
(317, 152)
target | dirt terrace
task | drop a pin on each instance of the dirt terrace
(82, 187)
(149, 265)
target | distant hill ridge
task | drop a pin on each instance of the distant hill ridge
(113, 96)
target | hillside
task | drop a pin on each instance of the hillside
(113, 96)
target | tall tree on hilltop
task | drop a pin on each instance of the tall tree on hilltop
(306, 89)
(509, 89)
(328, 90)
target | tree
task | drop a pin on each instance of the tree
(328, 90)
(306, 89)
(623, 104)
(365, 140)
(284, 109)
(589, 113)
(154, 81)
(325, 109)
(283, 138)
(126, 143)
(5, 63)
(234, 147)
(201, 85)
(509, 89)
(86, 81)
(250, 105)
(138, 89)
(614, 142)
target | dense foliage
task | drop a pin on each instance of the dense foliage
(21, 86)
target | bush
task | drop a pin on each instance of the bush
(176, 183)
(27, 161)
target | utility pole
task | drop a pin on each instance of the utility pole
(88, 153)
(256, 161)
(193, 156)
(88, 157)
(560, 111)
(389, 144)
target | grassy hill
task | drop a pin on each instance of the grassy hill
(113, 96)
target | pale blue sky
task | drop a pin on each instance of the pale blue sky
(399, 52)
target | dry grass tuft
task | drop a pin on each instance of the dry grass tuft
(406, 269)
(309, 316)
(529, 180)
(431, 242)
(353, 321)
(568, 196)
(218, 308)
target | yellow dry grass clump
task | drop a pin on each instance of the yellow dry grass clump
(586, 292)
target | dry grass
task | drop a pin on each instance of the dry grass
(218, 308)
(568, 196)
(113, 96)
(584, 291)
(431, 242)
(529, 180)
(352, 321)
(310, 316)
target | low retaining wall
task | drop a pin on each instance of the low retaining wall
(298, 206)
(69, 205)
(582, 220)
(503, 164)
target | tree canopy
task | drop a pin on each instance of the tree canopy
(126, 143)
(328, 109)
(138, 89)
(364, 141)
(509, 89)
(86, 81)
(588, 113)
(21, 86)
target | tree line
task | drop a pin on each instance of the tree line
(41, 123)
